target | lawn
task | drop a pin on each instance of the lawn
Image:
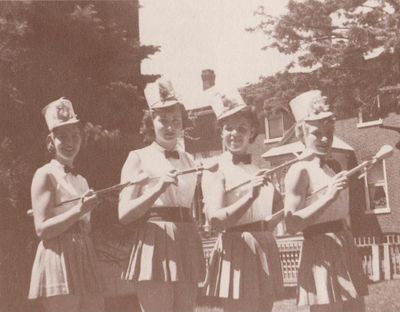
(383, 297)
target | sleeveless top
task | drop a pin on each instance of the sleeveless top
(67, 186)
(319, 177)
(154, 163)
(237, 173)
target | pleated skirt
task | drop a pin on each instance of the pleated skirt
(166, 252)
(330, 270)
(65, 265)
(245, 265)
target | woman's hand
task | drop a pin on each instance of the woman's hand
(89, 201)
(338, 183)
(167, 179)
(256, 183)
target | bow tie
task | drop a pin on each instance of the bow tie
(241, 158)
(171, 154)
(71, 170)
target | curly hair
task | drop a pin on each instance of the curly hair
(147, 126)
(249, 112)
(50, 144)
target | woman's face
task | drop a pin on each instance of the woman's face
(67, 142)
(318, 136)
(237, 133)
(167, 126)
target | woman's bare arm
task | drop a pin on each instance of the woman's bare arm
(47, 224)
(132, 204)
(299, 217)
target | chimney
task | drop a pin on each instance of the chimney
(208, 77)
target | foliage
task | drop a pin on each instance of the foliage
(89, 52)
(351, 46)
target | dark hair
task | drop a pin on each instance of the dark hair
(147, 127)
(50, 145)
(249, 112)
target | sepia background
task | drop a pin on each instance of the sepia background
(101, 54)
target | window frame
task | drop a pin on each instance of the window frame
(376, 122)
(386, 209)
(267, 135)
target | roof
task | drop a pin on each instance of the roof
(296, 147)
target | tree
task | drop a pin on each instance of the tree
(340, 37)
(86, 51)
(89, 52)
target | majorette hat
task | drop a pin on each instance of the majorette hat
(310, 106)
(226, 102)
(59, 113)
(160, 94)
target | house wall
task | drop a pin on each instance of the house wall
(366, 142)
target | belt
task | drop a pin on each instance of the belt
(169, 214)
(249, 227)
(326, 227)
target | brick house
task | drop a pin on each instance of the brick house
(374, 199)
(375, 203)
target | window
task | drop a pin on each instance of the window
(278, 179)
(370, 115)
(376, 189)
(273, 128)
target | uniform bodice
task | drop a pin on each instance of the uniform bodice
(233, 175)
(154, 163)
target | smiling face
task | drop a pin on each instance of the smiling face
(237, 133)
(318, 135)
(67, 141)
(168, 126)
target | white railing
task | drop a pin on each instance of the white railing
(380, 256)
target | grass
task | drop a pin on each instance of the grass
(383, 297)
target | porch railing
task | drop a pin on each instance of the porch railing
(380, 256)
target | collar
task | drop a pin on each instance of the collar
(160, 148)
(230, 156)
(59, 167)
(241, 158)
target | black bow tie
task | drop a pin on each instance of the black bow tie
(241, 158)
(68, 169)
(171, 154)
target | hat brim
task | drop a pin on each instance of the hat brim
(165, 104)
(320, 116)
(69, 122)
(231, 112)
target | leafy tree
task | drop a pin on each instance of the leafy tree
(338, 37)
(89, 52)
